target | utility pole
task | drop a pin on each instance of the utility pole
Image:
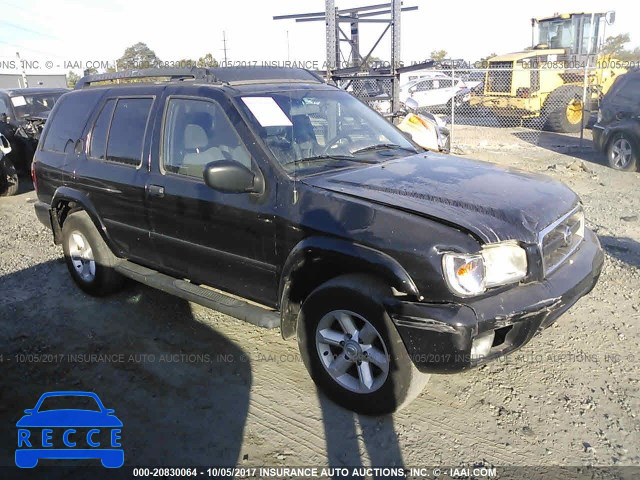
(224, 46)
(288, 53)
(24, 73)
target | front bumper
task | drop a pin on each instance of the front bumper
(599, 137)
(439, 337)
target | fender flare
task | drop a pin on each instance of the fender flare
(67, 194)
(353, 256)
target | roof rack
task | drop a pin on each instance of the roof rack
(227, 75)
(195, 73)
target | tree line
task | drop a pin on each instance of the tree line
(141, 56)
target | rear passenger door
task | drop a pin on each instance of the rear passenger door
(220, 239)
(115, 169)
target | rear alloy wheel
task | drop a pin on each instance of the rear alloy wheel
(621, 154)
(352, 349)
(89, 260)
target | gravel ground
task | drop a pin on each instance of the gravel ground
(195, 387)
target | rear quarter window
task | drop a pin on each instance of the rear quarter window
(630, 91)
(68, 119)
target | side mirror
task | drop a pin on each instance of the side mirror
(29, 411)
(610, 17)
(109, 411)
(231, 177)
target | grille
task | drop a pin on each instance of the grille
(500, 77)
(560, 239)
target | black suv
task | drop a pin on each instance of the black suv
(617, 131)
(23, 112)
(385, 261)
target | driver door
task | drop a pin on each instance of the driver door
(225, 240)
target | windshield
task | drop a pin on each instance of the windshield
(322, 129)
(34, 105)
(556, 33)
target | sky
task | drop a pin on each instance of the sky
(66, 34)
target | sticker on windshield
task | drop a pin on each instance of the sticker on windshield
(267, 111)
(18, 101)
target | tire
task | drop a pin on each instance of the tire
(622, 153)
(564, 110)
(89, 260)
(376, 374)
(10, 180)
(453, 102)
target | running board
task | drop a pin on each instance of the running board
(203, 296)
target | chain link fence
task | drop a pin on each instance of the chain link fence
(532, 105)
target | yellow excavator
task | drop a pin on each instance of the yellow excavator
(546, 81)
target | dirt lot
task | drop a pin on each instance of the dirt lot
(195, 387)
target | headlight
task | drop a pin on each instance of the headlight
(496, 264)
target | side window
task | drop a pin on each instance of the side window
(4, 107)
(197, 132)
(446, 83)
(126, 133)
(98, 148)
(423, 86)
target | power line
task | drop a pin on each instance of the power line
(18, 27)
(22, 47)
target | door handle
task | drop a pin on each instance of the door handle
(156, 191)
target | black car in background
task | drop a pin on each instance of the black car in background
(617, 131)
(23, 112)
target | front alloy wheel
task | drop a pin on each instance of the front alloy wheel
(620, 154)
(352, 351)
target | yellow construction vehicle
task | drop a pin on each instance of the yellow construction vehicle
(546, 81)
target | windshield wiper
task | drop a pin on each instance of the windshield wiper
(321, 158)
(384, 146)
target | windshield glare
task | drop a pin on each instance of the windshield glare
(331, 124)
(34, 105)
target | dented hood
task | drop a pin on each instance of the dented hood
(492, 202)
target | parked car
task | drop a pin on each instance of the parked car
(617, 129)
(8, 175)
(23, 112)
(387, 262)
(436, 91)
